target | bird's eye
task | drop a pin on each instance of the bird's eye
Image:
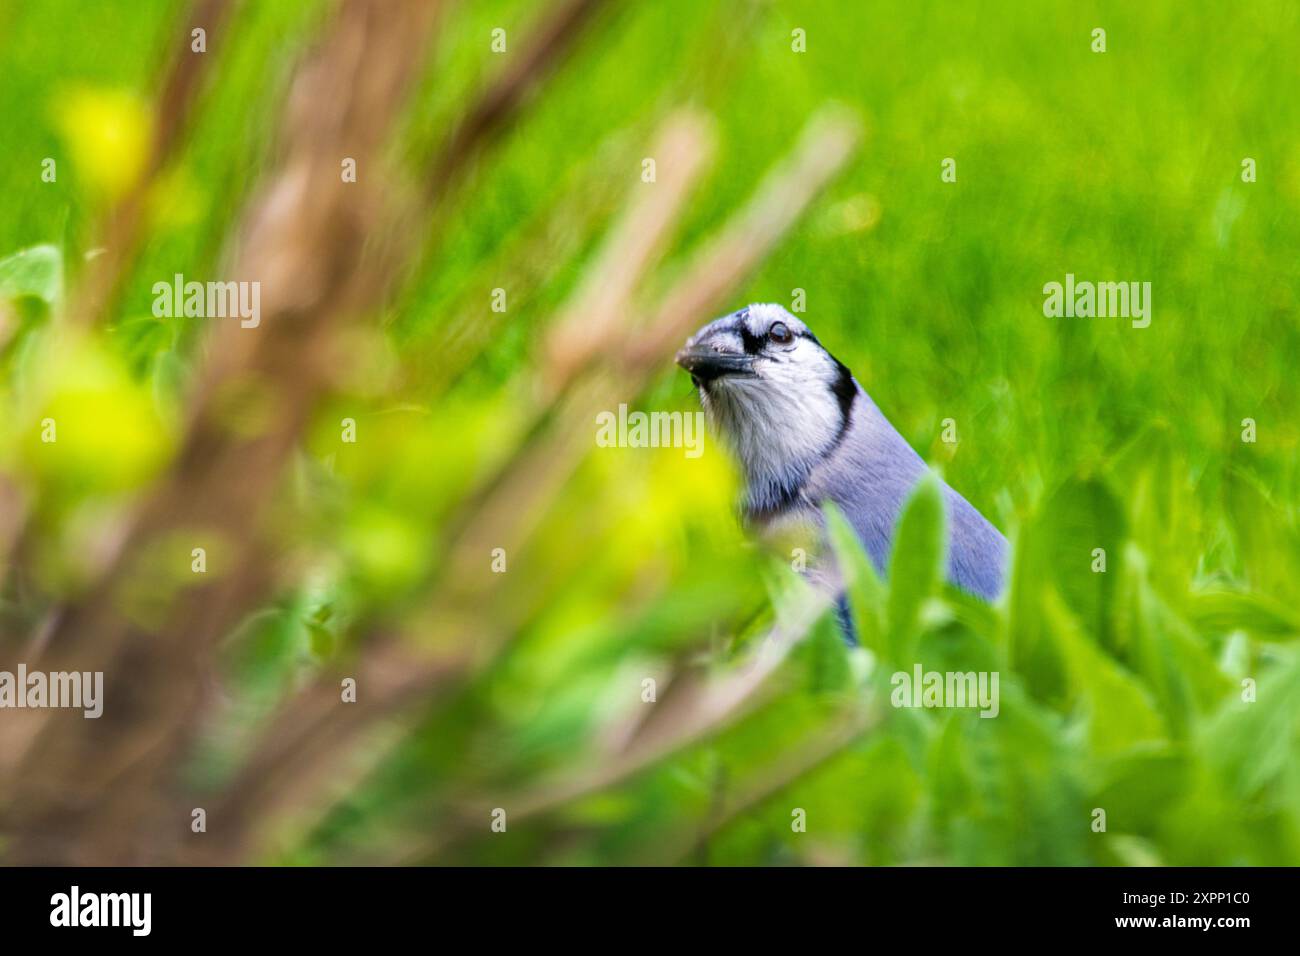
(780, 333)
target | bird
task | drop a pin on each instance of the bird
(805, 432)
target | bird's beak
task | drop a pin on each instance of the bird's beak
(705, 363)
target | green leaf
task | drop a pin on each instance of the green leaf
(1056, 550)
(976, 614)
(916, 567)
(1220, 612)
(1031, 652)
(1082, 517)
(1138, 787)
(1262, 525)
(1251, 743)
(1005, 789)
(826, 658)
(1120, 712)
(36, 272)
(866, 593)
(1170, 657)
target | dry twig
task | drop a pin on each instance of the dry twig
(97, 791)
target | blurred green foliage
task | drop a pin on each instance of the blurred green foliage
(1120, 690)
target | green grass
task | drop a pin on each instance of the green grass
(1121, 691)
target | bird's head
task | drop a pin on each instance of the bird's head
(780, 400)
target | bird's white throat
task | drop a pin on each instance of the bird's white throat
(778, 430)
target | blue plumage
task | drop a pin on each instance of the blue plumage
(870, 475)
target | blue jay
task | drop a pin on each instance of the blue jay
(805, 432)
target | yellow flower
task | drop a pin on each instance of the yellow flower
(108, 133)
